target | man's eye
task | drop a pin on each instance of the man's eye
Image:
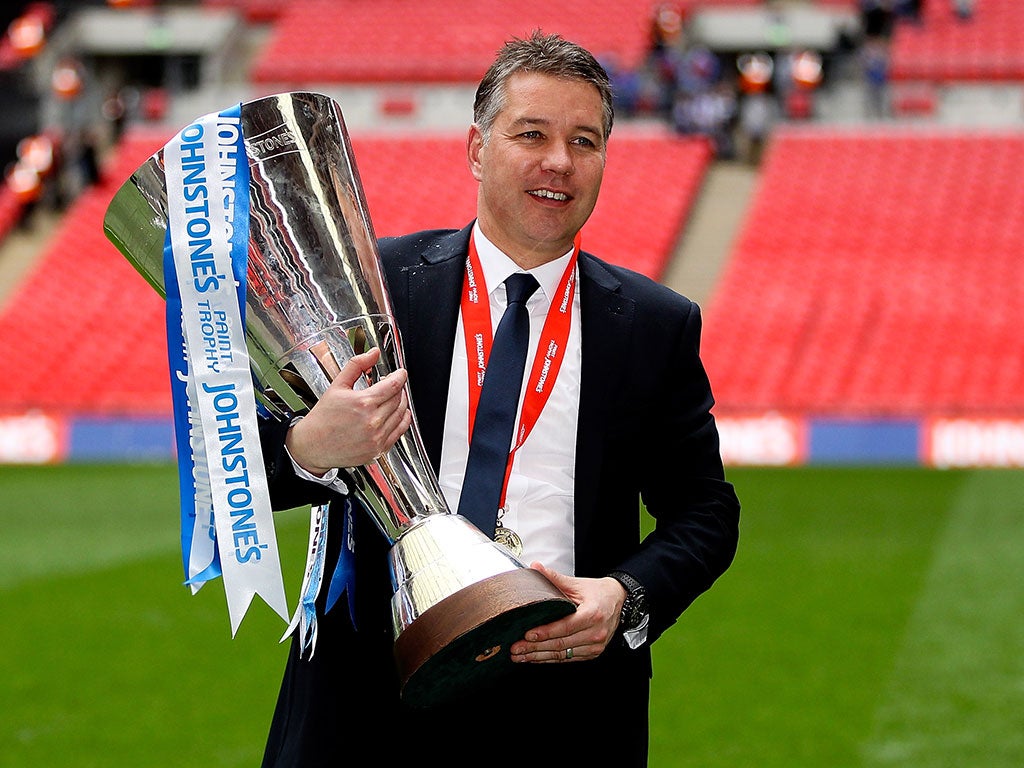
(530, 134)
(583, 141)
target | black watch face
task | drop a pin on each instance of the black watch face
(637, 608)
(641, 604)
(632, 612)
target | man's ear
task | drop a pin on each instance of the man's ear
(474, 143)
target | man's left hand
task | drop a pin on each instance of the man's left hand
(581, 635)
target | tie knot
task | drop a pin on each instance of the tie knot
(519, 287)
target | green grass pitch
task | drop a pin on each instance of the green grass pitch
(873, 618)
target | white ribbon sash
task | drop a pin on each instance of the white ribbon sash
(207, 179)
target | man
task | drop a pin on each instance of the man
(628, 418)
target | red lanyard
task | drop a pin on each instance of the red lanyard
(476, 319)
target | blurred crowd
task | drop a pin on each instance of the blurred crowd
(57, 128)
(736, 100)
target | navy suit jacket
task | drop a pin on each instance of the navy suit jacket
(645, 434)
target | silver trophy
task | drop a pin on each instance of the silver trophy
(316, 297)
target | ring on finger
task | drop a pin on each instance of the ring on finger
(568, 653)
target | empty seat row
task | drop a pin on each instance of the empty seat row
(86, 334)
(944, 48)
(450, 41)
(876, 273)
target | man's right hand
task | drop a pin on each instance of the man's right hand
(349, 427)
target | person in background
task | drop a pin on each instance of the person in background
(909, 10)
(877, 17)
(875, 64)
(627, 424)
(964, 9)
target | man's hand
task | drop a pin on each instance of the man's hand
(581, 635)
(349, 427)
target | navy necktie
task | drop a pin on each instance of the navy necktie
(496, 412)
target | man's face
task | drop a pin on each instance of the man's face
(540, 170)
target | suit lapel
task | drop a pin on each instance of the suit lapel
(606, 320)
(430, 293)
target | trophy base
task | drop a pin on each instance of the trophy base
(462, 643)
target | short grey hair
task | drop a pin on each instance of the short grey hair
(546, 55)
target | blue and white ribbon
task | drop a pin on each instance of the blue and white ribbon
(227, 521)
(305, 620)
(344, 579)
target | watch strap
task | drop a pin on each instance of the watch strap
(634, 608)
(628, 583)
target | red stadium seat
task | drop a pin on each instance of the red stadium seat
(878, 273)
(329, 41)
(943, 48)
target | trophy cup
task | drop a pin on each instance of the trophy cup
(316, 296)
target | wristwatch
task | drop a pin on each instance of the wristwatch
(634, 609)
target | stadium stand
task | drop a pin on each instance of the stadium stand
(85, 330)
(104, 349)
(877, 273)
(441, 40)
(987, 47)
(644, 164)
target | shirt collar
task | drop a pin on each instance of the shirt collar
(497, 266)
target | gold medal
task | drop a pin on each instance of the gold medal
(506, 536)
(509, 539)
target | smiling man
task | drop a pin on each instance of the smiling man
(616, 413)
(539, 161)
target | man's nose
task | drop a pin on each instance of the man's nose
(559, 159)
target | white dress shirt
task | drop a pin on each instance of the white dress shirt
(539, 501)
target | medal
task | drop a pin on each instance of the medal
(506, 536)
(509, 539)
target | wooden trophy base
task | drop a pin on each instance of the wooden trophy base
(462, 643)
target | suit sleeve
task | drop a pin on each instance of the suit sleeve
(681, 478)
(287, 490)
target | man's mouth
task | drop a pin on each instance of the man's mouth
(549, 195)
